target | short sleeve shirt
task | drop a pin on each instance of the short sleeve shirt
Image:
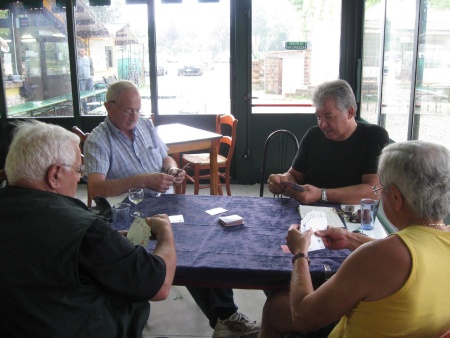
(335, 164)
(110, 152)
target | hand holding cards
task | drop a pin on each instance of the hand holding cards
(314, 220)
(139, 232)
(293, 186)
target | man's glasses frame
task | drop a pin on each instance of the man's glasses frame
(128, 112)
(81, 170)
(376, 188)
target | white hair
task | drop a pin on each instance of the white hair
(117, 88)
(35, 147)
(421, 171)
(339, 91)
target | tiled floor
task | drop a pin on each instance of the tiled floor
(178, 315)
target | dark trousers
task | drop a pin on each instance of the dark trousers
(214, 303)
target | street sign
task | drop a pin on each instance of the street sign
(296, 45)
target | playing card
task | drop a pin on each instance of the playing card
(215, 211)
(139, 232)
(176, 219)
(314, 220)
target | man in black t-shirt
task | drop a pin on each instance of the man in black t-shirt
(337, 160)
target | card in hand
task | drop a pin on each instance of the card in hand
(293, 186)
(314, 220)
(139, 232)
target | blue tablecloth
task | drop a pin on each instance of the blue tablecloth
(243, 256)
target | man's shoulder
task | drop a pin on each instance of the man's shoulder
(98, 132)
(372, 130)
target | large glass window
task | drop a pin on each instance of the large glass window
(295, 46)
(409, 68)
(432, 91)
(35, 60)
(193, 51)
(112, 44)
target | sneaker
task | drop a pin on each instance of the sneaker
(237, 326)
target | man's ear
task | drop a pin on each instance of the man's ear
(350, 113)
(397, 198)
(53, 177)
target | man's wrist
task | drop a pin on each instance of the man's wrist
(171, 168)
(323, 195)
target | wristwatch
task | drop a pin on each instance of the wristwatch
(324, 195)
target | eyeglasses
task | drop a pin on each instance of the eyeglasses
(81, 170)
(129, 112)
(376, 188)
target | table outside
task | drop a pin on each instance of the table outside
(181, 138)
(246, 256)
(40, 107)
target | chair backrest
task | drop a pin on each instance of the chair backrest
(229, 140)
(445, 334)
(283, 145)
(83, 137)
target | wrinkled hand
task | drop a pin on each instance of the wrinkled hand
(158, 223)
(309, 196)
(160, 182)
(298, 241)
(274, 183)
(178, 175)
(334, 238)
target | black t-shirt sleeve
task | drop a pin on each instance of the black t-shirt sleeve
(109, 259)
(300, 162)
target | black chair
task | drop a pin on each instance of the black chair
(283, 146)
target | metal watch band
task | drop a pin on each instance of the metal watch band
(324, 195)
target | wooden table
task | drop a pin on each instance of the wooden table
(181, 138)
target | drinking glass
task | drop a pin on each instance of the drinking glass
(136, 195)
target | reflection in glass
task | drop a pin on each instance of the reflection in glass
(35, 59)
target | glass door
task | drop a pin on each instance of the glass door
(295, 46)
(192, 53)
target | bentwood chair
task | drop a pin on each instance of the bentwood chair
(200, 162)
(83, 137)
(281, 146)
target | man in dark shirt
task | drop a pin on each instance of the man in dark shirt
(337, 160)
(65, 272)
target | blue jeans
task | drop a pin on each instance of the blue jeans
(213, 301)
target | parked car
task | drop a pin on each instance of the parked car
(190, 67)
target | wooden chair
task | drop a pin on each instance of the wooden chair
(83, 136)
(200, 162)
(283, 145)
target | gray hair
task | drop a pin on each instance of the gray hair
(338, 90)
(35, 147)
(421, 171)
(117, 88)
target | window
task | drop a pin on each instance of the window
(35, 61)
(407, 92)
(295, 46)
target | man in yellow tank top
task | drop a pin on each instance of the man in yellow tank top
(391, 287)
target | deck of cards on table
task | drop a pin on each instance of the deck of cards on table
(231, 220)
